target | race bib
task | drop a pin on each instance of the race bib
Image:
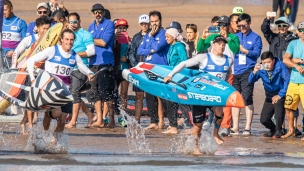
(242, 59)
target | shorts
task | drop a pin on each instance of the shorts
(198, 113)
(118, 77)
(241, 84)
(67, 108)
(136, 89)
(77, 80)
(103, 85)
(295, 93)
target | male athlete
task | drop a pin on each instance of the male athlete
(60, 61)
(216, 64)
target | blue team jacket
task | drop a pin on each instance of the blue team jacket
(279, 82)
(160, 46)
(253, 43)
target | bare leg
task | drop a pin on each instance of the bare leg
(138, 105)
(290, 119)
(75, 113)
(23, 123)
(35, 118)
(110, 105)
(249, 113)
(61, 122)
(87, 111)
(160, 114)
(46, 120)
(124, 85)
(218, 111)
(196, 132)
(105, 110)
(99, 122)
(235, 119)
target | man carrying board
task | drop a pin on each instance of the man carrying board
(60, 61)
(216, 64)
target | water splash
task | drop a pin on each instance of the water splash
(47, 142)
(185, 144)
(135, 135)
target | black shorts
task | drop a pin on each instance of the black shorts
(198, 113)
(77, 80)
(118, 77)
(67, 108)
(103, 84)
(241, 84)
(136, 89)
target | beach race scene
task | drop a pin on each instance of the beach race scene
(144, 85)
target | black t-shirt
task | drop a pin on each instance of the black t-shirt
(191, 48)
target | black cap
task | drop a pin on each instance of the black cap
(97, 7)
(224, 19)
(219, 38)
(175, 25)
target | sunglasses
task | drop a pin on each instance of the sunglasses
(190, 25)
(73, 21)
(301, 30)
(242, 26)
(98, 12)
(282, 25)
(40, 12)
(223, 24)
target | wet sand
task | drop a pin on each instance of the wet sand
(106, 149)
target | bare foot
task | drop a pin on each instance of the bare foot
(188, 131)
(171, 130)
(24, 131)
(197, 151)
(289, 133)
(302, 139)
(151, 126)
(218, 139)
(70, 125)
(96, 124)
(90, 120)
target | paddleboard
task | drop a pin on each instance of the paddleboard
(50, 38)
(47, 91)
(190, 87)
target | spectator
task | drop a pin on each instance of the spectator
(244, 62)
(176, 25)
(293, 14)
(214, 21)
(192, 39)
(278, 42)
(135, 59)
(13, 31)
(84, 47)
(54, 5)
(294, 58)
(42, 10)
(236, 12)
(275, 77)
(59, 17)
(103, 85)
(155, 48)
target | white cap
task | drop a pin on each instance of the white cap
(144, 19)
(42, 4)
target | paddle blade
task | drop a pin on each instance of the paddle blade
(235, 100)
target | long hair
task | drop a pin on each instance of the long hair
(194, 28)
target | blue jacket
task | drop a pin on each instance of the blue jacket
(279, 83)
(253, 43)
(157, 43)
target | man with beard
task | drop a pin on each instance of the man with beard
(155, 47)
(102, 89)
(42, 10)
(84, 47)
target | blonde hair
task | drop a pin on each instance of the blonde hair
(194, 28)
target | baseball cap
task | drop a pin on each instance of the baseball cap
(281, 20)
(121, 22)
(143, 19)
(224, 19)
(175, 25)
(300, 25)
(237, 10)
(42, 4)
(97, 7)
(219, 38)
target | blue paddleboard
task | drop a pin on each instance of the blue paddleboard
(189, 87)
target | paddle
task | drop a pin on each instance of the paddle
(153, 76)
(86, 86)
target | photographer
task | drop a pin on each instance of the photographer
(275, 77)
